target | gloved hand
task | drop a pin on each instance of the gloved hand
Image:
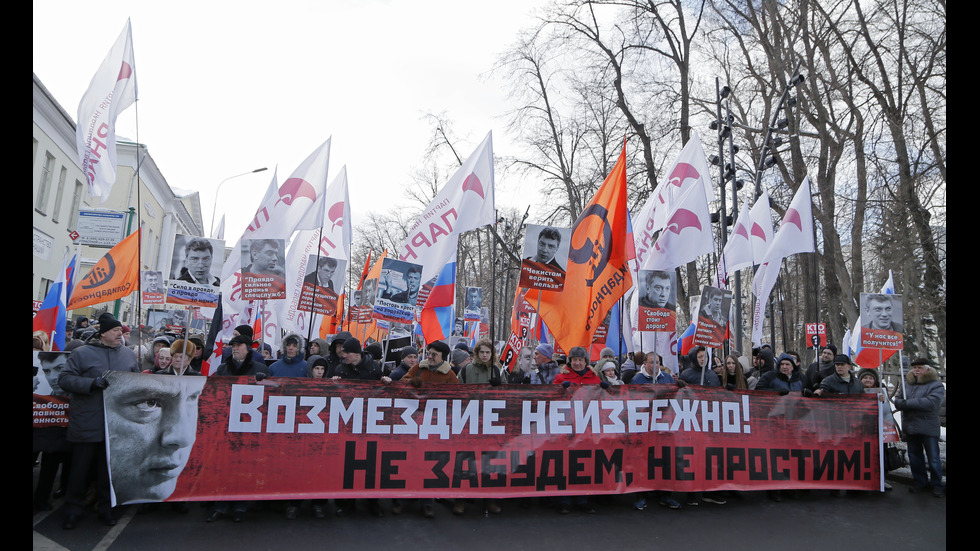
(604, 384)
(566, 384)
(101, 382)
(261, 375)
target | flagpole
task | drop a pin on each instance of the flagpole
(493, 290)
(316, 270)
(901, 371)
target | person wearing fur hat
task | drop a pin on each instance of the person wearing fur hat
(84, 377)
(291, 363)
(181, 354)
(578, 370)
(923, 398)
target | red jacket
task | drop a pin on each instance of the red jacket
(587, 377)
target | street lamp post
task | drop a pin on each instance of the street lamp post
(214, 210)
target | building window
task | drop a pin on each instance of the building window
(44, 186)
(42, 290)
(56, 214)
(76, 203)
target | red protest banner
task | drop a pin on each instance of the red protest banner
(50, 411)
(304, 438)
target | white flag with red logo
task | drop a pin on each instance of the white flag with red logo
(334, 242)
(277, 217)
(795, 235)
(465, 203)
(760, 231)
(691, 168)
(111, 91)
(686, 235)
(738, 251)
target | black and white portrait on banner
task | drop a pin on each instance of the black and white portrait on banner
(322, 285)
(545, 257)
(262, 269)
(153, 423)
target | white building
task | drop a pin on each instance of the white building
(60, 193)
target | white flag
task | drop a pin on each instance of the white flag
(760, 232)
(795, 236)
(464, 203)
(686, 235)
(112, 90)
(219, 232)
(690, 168)
(738, 251)
(278, 216)
(334, 240)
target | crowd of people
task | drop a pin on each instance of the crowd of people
(96, 350)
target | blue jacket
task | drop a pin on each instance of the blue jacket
(641, 378)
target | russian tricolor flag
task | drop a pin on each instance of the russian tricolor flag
(686, 342)
(50, 317)
(437, 319)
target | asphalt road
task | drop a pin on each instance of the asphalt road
(893, 520)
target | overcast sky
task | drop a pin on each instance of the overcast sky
(226, 87)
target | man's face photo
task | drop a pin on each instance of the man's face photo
(658, 289)
(325, 273)
(413, 279)
(265, 259)
(474, 298)
(547, 248)
(714, 304)
(51, 364)
(151, 282)
(152, 424)
(369, 291)
(880, 313)
(198, 263)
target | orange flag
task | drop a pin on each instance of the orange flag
(114, 276)
(597, 271)
(364, 331)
